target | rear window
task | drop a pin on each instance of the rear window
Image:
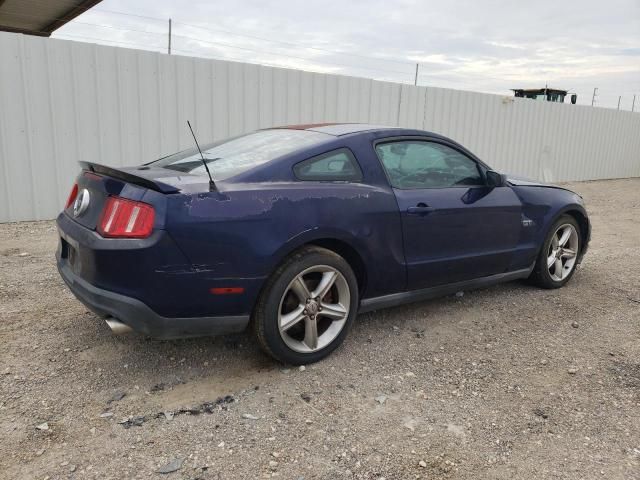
(338, 165)
(233, 156)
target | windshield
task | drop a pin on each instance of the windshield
(233, 156)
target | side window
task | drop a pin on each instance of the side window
(421, 164)
(338, 165)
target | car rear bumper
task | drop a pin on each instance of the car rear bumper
(143, 319)
(149, 285)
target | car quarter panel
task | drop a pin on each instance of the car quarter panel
(246, 231)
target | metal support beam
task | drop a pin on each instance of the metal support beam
(70, 15)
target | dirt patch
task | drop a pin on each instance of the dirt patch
(507, 382)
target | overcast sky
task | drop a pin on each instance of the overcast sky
(487, 46)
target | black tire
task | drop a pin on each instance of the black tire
(541, 276)
(266, 312)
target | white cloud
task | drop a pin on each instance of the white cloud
(490, 45)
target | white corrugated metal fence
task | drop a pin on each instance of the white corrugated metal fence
(63, 101)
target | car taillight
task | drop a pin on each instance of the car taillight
(123, 218)
(72, 196)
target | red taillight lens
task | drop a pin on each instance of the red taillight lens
(72, 196)
(124, 218)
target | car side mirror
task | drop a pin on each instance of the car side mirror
(495, 179)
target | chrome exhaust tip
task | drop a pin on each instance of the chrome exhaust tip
(118, 327)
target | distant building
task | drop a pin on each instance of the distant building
(545, 94)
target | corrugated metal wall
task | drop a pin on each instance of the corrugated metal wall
(63, 101)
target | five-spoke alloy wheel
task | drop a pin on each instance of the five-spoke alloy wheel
(559, 255)
(562, 252)
(307, 306)
(314, 309)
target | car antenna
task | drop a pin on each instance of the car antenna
(212, 184)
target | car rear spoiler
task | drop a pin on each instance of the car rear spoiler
(128, 177)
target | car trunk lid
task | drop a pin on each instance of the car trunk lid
(97, 183)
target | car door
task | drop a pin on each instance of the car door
(455, 227)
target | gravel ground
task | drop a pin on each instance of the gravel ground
(506, 382)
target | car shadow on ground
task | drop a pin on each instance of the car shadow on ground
(229, 354)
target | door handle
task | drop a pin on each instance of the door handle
(420, 209)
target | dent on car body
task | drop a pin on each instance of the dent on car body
(187, 268)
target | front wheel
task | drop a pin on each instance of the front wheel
(306, 307)
(558, 258)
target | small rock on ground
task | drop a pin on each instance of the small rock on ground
(173, 466)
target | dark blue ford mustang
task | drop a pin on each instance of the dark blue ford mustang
(302, 228)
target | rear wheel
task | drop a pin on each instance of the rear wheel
(558, 258)
(307, 306)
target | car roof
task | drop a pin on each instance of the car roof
(339, 129)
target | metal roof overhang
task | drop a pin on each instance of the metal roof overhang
(40, 17)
